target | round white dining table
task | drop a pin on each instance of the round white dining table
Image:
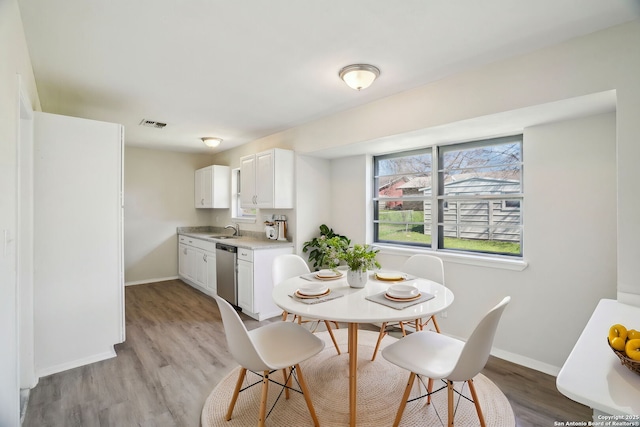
(353, 308)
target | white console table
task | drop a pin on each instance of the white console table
(593, 374)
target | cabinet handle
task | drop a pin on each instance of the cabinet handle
(204, 257)
(202, 202)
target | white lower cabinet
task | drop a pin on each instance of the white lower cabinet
(197, 267)
(197, 264)
(254, 281)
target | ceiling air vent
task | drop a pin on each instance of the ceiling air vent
(152, 124)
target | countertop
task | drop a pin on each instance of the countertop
(246, 240)
(593, 374)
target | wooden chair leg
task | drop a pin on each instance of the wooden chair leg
(450, 402)
(335, 343)
(284, 316)
(476, 402)
(404, 332)
(263, 399)
(307, 398)
(286, 382)
(382, 334)
(405, 397)
(435, 323)
(243, 372)
(429, 390)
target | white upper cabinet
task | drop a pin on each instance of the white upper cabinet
(212, 187)
(266, 179)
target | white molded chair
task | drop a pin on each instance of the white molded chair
(288, 266)
(438, 356)
(275, 346)
(426, 267)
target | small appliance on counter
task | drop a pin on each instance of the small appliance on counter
(271, 231)
(277, 228)
(281, 223)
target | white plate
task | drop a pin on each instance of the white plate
(402, 291)
(328, 274)
(313, 289)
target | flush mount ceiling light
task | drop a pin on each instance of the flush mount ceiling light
(211, 142)
(359, 76)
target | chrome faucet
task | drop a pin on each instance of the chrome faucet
(235, 227)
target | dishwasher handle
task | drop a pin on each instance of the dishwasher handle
(226, 248)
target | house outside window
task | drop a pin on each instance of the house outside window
(478, 197)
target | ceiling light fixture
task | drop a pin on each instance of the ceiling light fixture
(211, 142)
(359, 76)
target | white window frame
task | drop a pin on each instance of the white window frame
(438, 199)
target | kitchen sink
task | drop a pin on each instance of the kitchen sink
(224, 236)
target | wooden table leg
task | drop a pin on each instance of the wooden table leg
(353, 370)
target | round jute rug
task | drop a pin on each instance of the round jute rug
(380, 388)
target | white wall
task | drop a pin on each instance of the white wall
(313, 180)
(14, 61)
(159, 197)
(569, 244)
(597, 62)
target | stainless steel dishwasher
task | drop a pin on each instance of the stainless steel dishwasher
(227, 272)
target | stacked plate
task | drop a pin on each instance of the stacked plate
(313, 290)
(328, 274)
(402, 292)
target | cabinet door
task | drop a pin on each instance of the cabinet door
(182, 260)
(200, 262)
(210, 259)
(264, 179)
(203, 189)
(207, 189)
(186, 261)
(247, 181)
(245, 285)
(197, 194)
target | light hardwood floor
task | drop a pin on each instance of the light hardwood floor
(175, 353)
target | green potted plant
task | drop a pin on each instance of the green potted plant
(359, 259)
(324, 249)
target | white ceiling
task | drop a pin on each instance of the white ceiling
(244, 69)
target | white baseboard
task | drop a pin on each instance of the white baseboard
(143, 282)
(77, 363)
(526, 362)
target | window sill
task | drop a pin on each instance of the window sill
(458, 258)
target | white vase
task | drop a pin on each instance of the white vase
(357, 278)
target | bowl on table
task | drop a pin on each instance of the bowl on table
(403, 291)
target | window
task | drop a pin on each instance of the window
(239, 213)
(477, 198)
